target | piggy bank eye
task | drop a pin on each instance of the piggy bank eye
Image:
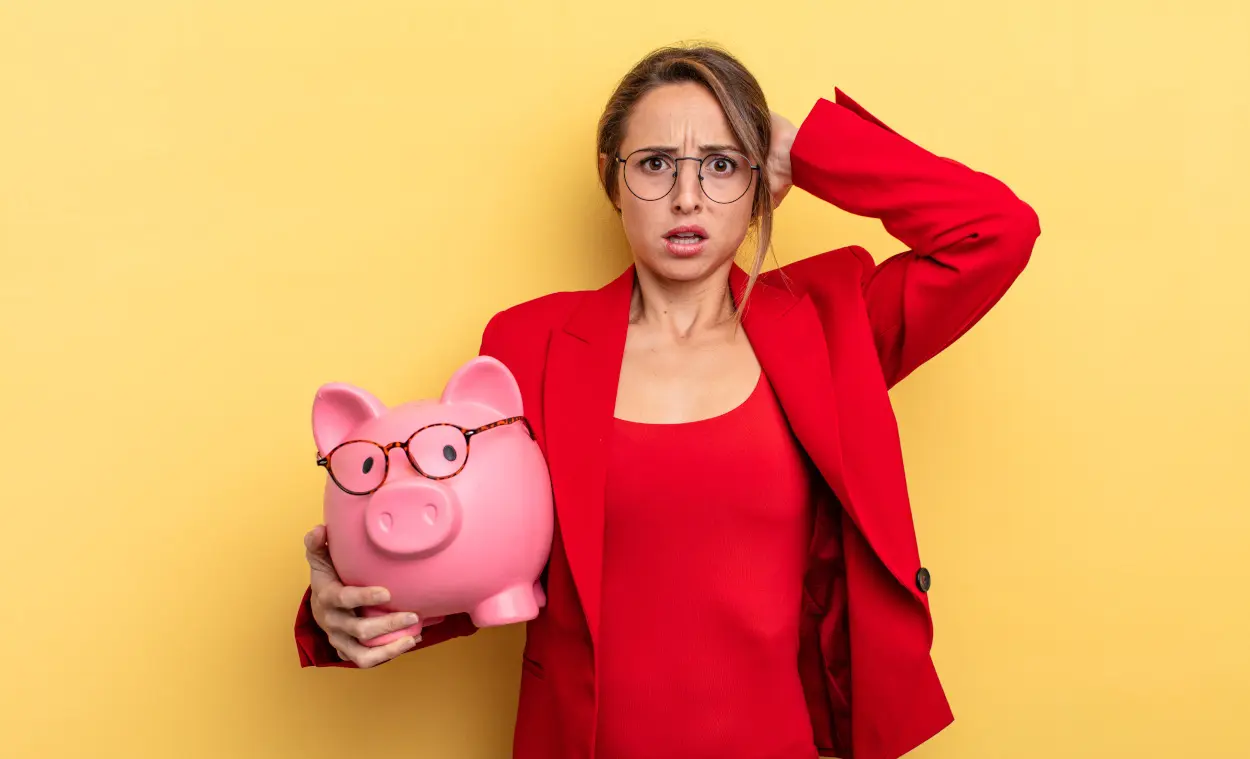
(438, 450)
(354, 466)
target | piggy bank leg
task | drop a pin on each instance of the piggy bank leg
(382, 640)
(516, 604)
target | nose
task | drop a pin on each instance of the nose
(687, 193)
(413, 519)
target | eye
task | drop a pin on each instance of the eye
(449, 452)
(722, 164)
(655, 163)
(366, 465)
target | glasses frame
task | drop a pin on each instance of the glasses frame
(469, 434)
(677, 167)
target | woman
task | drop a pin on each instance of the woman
(735, 571)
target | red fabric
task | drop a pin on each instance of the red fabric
(706, 528)
(833, 333)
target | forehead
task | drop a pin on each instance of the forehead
(678, 114)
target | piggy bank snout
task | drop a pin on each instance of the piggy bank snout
(412, 518)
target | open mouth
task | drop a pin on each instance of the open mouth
(685, 241)
(686, 235)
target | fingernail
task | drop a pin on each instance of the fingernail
(381, 596)
(410, 619)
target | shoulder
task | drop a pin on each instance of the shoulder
(851, 266)
(522, 325)
(537, 314)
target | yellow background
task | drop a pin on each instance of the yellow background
(209, 208)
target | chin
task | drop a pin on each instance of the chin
(682, 268)
(678, 268)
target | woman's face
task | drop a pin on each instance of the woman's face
(682, 235)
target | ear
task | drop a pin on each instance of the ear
(337, 410)
(485, 380)
(603, 164)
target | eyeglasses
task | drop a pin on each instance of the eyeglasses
(652, 174)
(436, 451)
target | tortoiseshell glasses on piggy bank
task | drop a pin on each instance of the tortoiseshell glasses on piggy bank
(436, 451)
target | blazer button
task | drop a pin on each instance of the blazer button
(923, 580)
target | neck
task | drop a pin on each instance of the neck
(682, 308)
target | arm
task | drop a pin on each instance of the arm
(968, 236)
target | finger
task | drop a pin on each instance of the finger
(370, 656)
(317, 550)
(315, 539)
(335, 620)
(364, 628)
(326, 589)
(378, 654)
(341, 622)
(354, 596)
(348, 647)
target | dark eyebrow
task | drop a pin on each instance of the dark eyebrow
(716, 148)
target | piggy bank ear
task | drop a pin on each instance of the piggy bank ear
(337, 410)
(487, 381)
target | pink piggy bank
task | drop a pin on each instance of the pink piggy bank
(446, 503)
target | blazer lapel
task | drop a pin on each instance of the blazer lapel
(789, 343)
(579, 398)
(791, 346)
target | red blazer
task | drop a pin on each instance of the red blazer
(833, 333)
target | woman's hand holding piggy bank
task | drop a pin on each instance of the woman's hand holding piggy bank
(334, 605)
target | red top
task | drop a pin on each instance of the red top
(707, 526)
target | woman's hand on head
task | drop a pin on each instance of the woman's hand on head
(780, 179)
(334, 608)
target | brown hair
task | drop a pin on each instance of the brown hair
(742, 100)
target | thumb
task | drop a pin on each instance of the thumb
(318, 548)
(780, 195)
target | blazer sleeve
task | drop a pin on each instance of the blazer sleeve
(315, 650)
(311, 642)
(968, 236)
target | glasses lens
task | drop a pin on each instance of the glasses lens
(726, 176)
(358, 467)
(649, 175)
(438, 451)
